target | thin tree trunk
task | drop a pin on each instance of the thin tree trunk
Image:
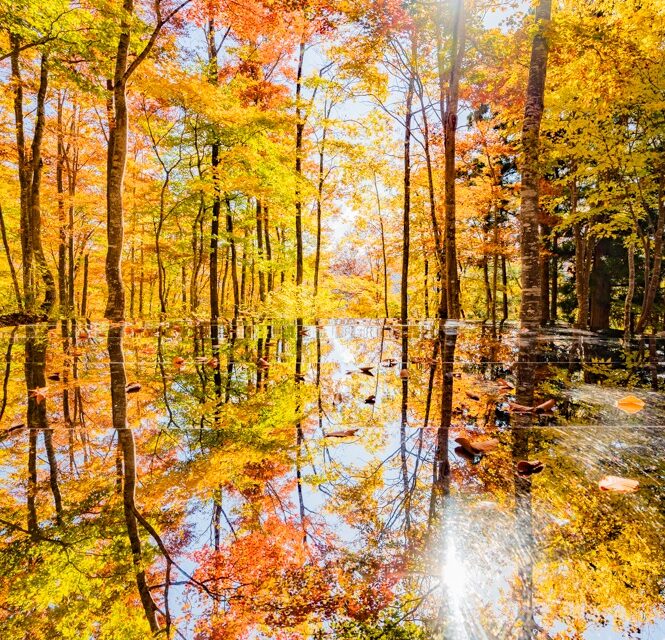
(628, 304)
(449, 134)
(554, 303)
(544, 278)
(504, 286)
(10, 262)
(62, 219)
(217, 197)
(406, 221)
(234, 266)
(654, 280)
(300, 126)
(259, 250)
(319, 205)
(530, 312)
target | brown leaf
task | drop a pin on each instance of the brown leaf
(505, 384)
(54, 376)
(366, 370)
(404, 373)
(133, 387)
(39, 394)
(479, 447)
(545, 407)
(472, 396)
(463, 453)
(370, 400)
(630, 404)
(519, 408)
(618, 484)
(346, 433)
(529, 467)
(178, 362)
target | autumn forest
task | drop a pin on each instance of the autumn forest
(332, 319)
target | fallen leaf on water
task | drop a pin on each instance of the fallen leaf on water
(54, 376)
(529, 467)
(370, 400)
(479, 447)
(546, 406)
(366, 370)
(39, 394)
(505, 384)
(404, 373)
(463, 453)
(473, 396)
(630, 404)
(178, 361)
(519, 408)
(346, 433)
(133, 387)
(618, 484)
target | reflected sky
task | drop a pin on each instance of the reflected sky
(284, 480)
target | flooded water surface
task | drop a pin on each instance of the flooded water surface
(347, 480)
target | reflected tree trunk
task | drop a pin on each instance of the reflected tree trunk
(127, 450)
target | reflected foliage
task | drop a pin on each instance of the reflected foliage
(213, 502)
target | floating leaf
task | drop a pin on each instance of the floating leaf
(630, 404)
(505, 384)
(370, 400)
(519, 408)
(346, 433)
(479, 447)
(529, 467)
(463, 453)
(133, 387)
(618, 484)
(54, 376)
(39, 394)
(546, 406)
(366, 370)
(404, 373)
(472, 396)
(178, 362)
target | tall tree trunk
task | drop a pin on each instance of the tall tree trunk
(319, 206)
(439, 251)
(62, 218)
(406, 220)
(504, 287)
(117, 161)
(266, 229)
(449, 134)
(300, 126)
(530, 312)
(217, 196)
(24, 176)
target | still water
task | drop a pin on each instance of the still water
(291, 481)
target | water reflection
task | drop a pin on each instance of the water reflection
(285, 480)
